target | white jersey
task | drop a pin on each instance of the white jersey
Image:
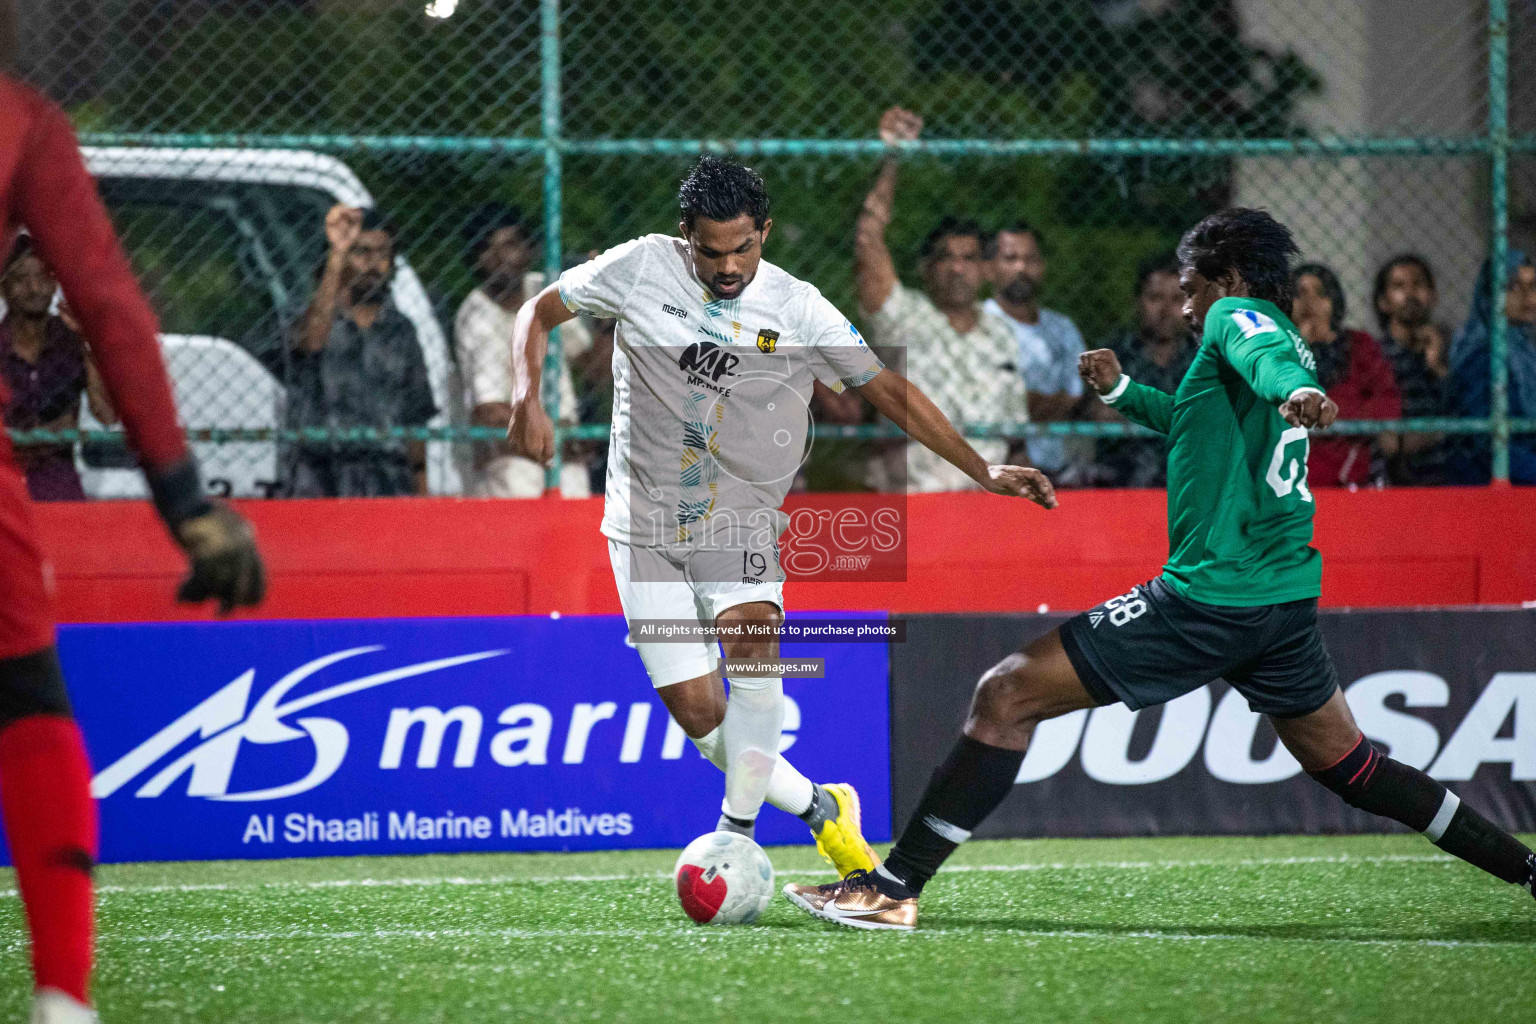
(710, 396)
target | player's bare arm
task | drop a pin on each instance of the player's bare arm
(531, 432)
(874, 271)
(905, 405)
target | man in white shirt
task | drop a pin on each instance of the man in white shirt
(1048, 342)
(715, 355)
(962, 357)
(501, 252)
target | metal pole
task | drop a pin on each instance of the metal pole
(1498, 137)
(549, 51)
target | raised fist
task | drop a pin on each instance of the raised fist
(1309, 409)
(342, 226)
(899, 125)
(1100, 369)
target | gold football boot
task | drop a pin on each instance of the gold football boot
(857, 902)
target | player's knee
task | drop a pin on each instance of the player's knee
(1004, 695)
(747, 650)
(735, 623)
(699, 719)
(32, 685)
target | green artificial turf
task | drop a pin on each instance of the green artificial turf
(1252, 930)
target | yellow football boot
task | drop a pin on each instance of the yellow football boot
(841, 840)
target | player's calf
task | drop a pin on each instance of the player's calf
(50, 819)
(1021, 691)
(1368, 779)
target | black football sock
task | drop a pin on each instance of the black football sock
(823, 809)
(1480, 842)
(1371, 781)
(966, 788)
(743, 826)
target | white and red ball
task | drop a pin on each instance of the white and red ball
(723, 878)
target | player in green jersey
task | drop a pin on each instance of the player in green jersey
(1236, 600)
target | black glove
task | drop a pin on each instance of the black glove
(217, 540)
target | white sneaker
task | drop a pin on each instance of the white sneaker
(50, 1006)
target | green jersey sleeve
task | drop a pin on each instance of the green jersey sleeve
(1267, 352)
(1141, 404)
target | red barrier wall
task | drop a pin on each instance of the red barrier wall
(966, 552)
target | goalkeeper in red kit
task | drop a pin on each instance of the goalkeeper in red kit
(45, 779)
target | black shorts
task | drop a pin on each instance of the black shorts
(1152, 645)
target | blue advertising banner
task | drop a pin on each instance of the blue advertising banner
(285, 739)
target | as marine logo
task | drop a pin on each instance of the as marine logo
(767, 340)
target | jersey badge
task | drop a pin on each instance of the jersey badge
(857, 337)
(1251, 322)
(767, 340)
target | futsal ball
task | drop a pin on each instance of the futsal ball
(723, 878)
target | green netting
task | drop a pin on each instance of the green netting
(223, 130)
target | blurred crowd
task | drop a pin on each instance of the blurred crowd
(971, 331)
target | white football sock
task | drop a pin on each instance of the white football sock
(50, 1006)
(754, 721)
(788, 790)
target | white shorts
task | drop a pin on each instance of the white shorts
(671, 583)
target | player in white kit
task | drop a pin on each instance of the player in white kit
(714, 357)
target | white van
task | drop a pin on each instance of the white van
(226, 243)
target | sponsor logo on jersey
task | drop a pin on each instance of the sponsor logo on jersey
(681, 314)
(706, 359)
(855, 332)
(1303, 351)
(767, 340)
(1251, 322)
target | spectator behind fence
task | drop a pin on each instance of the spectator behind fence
(357, 363)
(1157, 352)
(45, 366)
(1354, 373)
(964, 359)
(1471, 373)
(1048, 344)
(500, 250)
(1417, 347)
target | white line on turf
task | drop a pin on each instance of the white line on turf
(757, 935)
(495, 880)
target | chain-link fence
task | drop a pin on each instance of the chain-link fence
(224, 130)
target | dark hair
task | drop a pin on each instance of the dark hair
(1162, 263)
(1250, 242)
(718, 189)
(24, 247)
(1018, 227)
(484, 221)
(1384, 275)
(375, 219)
(948, 227)
(1331, 288)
